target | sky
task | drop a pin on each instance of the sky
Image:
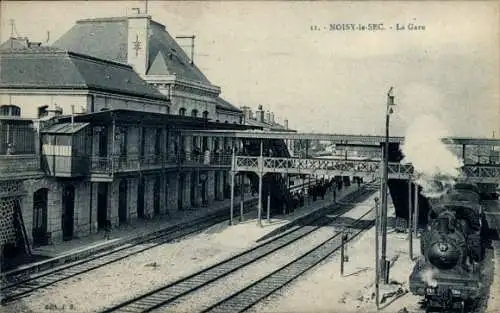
(322, 80)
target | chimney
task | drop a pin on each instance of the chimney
(247, 113)
(138, 41)
(286, 123)
(260, 114)
(272, 118)
(268, 117)
(54, 110)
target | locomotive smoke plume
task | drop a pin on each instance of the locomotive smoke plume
(436, 167)
(427, 277)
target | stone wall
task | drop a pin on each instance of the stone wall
(85, 202)
(8, 233)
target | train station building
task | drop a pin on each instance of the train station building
(91, 131)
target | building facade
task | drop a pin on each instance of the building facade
(90, 134)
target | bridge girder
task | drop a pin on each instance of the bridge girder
(340, 138)
(361, 168)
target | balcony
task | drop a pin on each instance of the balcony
(14, 166)
(208, 159)
(131, 163)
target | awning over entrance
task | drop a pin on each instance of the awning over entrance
(65, 128)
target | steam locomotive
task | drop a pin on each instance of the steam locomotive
(453, 247)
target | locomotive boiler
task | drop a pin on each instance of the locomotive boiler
(453, 248)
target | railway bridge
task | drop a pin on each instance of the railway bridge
(480, 155)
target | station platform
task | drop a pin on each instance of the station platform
(46, 257)
(58, 254)
(310, 210)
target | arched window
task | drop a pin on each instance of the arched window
(194, 113)
(182, 111)
(205, 115)
(10, 110)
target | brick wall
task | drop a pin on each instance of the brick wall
(8, 232)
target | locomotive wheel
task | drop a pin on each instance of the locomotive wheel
(428, 307)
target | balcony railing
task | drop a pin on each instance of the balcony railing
(150, 162)
(18, 164)
(131, 163)
(479, 172)
(208, 159)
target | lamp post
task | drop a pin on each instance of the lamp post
(385, 178)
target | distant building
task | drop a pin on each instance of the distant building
(264, 119)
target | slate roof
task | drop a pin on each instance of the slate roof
(223, 104)
(51, 68)
(274, 126)
(15, 43)
(166, 57)
(101, 38)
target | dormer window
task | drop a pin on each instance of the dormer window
(205, 115)
(194, 113)
(182, 111)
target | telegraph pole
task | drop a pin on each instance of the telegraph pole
(377, 260)
(385, 179)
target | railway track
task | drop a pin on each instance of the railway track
(255, 292)
(184, 286)
(24, 287)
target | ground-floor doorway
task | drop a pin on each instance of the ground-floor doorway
(156, 196)
(122, 201)
(68, 211)
(39, 231)
(102, 205)
(180, 191)
(140, 198)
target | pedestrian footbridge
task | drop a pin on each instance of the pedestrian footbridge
(478, 173)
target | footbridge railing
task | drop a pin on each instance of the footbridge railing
(362, 168)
